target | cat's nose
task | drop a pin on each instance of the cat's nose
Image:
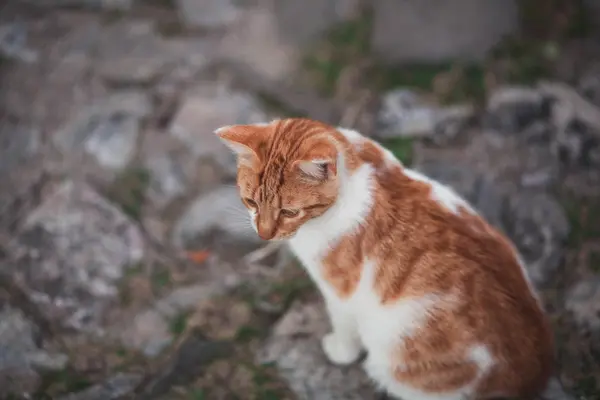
(265, 234)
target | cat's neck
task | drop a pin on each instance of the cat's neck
(353, 205)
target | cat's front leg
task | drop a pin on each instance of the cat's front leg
(342, 345)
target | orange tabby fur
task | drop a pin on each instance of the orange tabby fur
(418, 246)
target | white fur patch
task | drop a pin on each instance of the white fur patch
(357, 140)
(352, 206)
(444, 195)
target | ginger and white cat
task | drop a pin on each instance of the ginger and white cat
(409, 271)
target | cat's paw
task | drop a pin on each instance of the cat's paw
(338, 351)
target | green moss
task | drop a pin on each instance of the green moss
(419, 76)
(587, 388)
(594, 261)
(247, 333)
(468, 81)
(161, 278)
(526, 61)
(129, 191)
(179, 323)
(341, 46)
(402, 149)
(197, 394)
(583, 215)
(64, 381)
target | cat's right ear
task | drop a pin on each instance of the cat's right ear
(244, 140)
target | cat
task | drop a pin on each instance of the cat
(409, 271)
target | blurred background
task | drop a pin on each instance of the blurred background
(127, 266)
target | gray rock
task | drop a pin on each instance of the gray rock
(511, 109)
(207, 13)
(168, 179)
(113, 388)
(117, 5)
(405, 113)
(301, 23)
(17, 340)
(78, 246)
(18, 144)
(436, 30)
(133, 53)
(589, 84)
(149, 331)
(208, 108)
(294, 348)
(570, 105)
(107, 130)
(220, 210)
(44, 361)
(583, 301)
(13, 43)
(577, 145)
(538, 226)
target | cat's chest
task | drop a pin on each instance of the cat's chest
(311, 248)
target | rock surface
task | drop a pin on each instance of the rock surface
(17, 342)
(434, 30)
(114, 388)
(107, 130)
(207, 108)
(207, 13)
(294, 347)
(78, 246)
(404, 113)
(220, 210)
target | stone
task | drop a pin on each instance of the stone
(294, 349)
(13, 43)
(405, 113)
(133, 53)
(437, 31)
(589, 84)
(303, 23)
(207, 14)
(219, 210)
(18, 143)
(191, 358)
(115, 5)
(77, 246)
(538, 226)
(255, 40)
(570, 105)
(115, 387)
(168, 178)
(511, 109)
(577, 145)
(149, 331)
(107, 130)
(210, 107)
(583, 301)
(17, 341)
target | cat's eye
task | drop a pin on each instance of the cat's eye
(289, 213)
(251, 203)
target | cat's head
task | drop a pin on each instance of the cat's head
(287, 172)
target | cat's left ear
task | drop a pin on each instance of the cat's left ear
(319, 162)
(244, 140)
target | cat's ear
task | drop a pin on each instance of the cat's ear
(245, 141)
(319, 162)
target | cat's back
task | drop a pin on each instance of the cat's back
(426, 242)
